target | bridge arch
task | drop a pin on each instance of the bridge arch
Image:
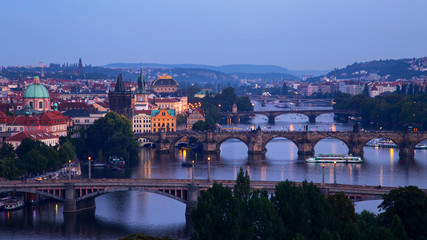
(329, 138)
(293, 113)
(122, 189)
(174, 141)
(222, 140)
(41, 193)
(288, 141)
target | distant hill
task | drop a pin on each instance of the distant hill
(229, 69)
(384, 69)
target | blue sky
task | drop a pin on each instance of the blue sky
(296, 34)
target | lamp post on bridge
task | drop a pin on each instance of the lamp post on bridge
(89, 168)
(335, 172)
(69, 170)
(209, 169)
(192, 172)
(323, 175)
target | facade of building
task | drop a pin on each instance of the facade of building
(193, 117)
(165, 84)
(141, 121)
(163, 120)
(121, 101)
(37, 96)
(45, 137)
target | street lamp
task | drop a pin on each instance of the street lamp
(69, 170)
(89, 168)
(335, 172)
(192, 172)
(323, 175)
(209, 169)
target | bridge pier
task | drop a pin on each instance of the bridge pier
(163, 145)
(255, 144)
(312, 118)
(271, 119)
(71, 205)
(192, 194)
(356, 150)
(406, 152)
(305, 148)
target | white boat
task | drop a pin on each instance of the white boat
(420, 146)
(3, 202)
(381, 143)
(14, 204)
(334, 158)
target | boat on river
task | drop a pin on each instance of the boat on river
(335, 158)
(116, 163)
(420, 146)
(381, 143)
(14, 203)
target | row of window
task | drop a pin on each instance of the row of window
(141, 121)
(144, 126)
(141, 130)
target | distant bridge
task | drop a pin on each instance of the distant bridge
(271, 115)
(79, 195)
(296, 100)
(256, 141)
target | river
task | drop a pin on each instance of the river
(122, 213)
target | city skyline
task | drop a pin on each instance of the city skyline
(295, 35)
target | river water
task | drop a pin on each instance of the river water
(122, 213)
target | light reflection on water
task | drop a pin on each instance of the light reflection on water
(123, 213)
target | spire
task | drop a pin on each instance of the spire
(120, 86)
(141, 83)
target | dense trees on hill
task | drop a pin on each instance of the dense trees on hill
(303, 212)
(393, 111)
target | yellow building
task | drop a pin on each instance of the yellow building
(163, 120)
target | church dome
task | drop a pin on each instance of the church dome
(36, 90)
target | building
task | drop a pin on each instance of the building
(141, 95)
(203, 93)
(165, 84)
(163, 120)
(193, 117)
(121, 101)
(42, 136)
(37, 96)
(141, 121)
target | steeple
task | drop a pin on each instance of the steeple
(141, 84)
(120, 86)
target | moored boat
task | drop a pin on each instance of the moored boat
(335, 158)
(13, 204)
(421, 146)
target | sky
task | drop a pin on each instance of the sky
(295, 34)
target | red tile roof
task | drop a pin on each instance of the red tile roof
(34, 135)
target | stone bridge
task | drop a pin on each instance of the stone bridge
(264, 99)
(271, 115)
(79, 195)
(256, 141)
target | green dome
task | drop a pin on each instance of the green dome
(36, 91)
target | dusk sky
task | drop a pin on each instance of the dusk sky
(295, 34)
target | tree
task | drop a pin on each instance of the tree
(244, 104)
(285, 89)
(216, 215)
(368, 223)
(342, 210)
(67, 152)
(410, 205)
(242, 189)
(181, 119)
(113, 135)
(200, 126)
(140, 236)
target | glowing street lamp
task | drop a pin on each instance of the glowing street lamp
(89, 168)
(209, 169)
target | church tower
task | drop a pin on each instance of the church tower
(121, 101)
(141, 95)
(80, 68)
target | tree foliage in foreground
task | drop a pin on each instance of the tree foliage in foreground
(303, 212)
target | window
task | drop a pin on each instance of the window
(40, 104)
(86, 120)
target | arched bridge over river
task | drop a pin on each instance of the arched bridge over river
(271, 115)
(256, 141)
(79, 195)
